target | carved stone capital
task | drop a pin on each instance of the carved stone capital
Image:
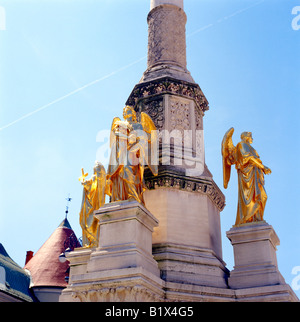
(168, 85)
(169, 179)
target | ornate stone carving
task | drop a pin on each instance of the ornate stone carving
(199, 119)
(155, 109)
(197, 185)
(131, 293)
(168, 85)
(179, 116)
(166, 41)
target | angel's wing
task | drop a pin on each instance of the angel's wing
(147, 123)
(115, 122)
(150, 128)
(229, 156)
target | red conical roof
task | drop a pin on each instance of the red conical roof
(45, 267)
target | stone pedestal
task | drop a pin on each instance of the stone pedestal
(122, 268)
(255, 256)
(125, 238)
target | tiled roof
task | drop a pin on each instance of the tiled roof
(14, 280)
(45, 267)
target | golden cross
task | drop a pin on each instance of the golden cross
(84, 175)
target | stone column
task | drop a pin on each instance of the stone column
(167, 41)
(183, 197)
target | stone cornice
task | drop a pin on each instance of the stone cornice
(168, 85)
(168, 179)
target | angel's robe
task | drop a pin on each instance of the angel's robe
(252, 195)
(126, 166)
(93, 198)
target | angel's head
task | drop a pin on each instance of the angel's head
(129, 112)
(247, 137)
(98, 167)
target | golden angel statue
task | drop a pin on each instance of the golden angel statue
(252, 196)
(130, 141)
(93, 198)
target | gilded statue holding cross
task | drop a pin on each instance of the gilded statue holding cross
(130, 143)
(93, 198)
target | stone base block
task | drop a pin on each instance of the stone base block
(121, 285)
(190, 265)
(255, 256)
(179, 292)
(274, 293)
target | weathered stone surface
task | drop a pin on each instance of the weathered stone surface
(167, 44)
(255, 258)
(168, 85)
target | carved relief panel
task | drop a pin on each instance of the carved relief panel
(180, 119)
(155, 109)
(179, 115)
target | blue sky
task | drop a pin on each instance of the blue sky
(244, 55)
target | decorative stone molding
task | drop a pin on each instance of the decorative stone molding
(199, 119)
(190, 184)
(132, 293)
(168, 85)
